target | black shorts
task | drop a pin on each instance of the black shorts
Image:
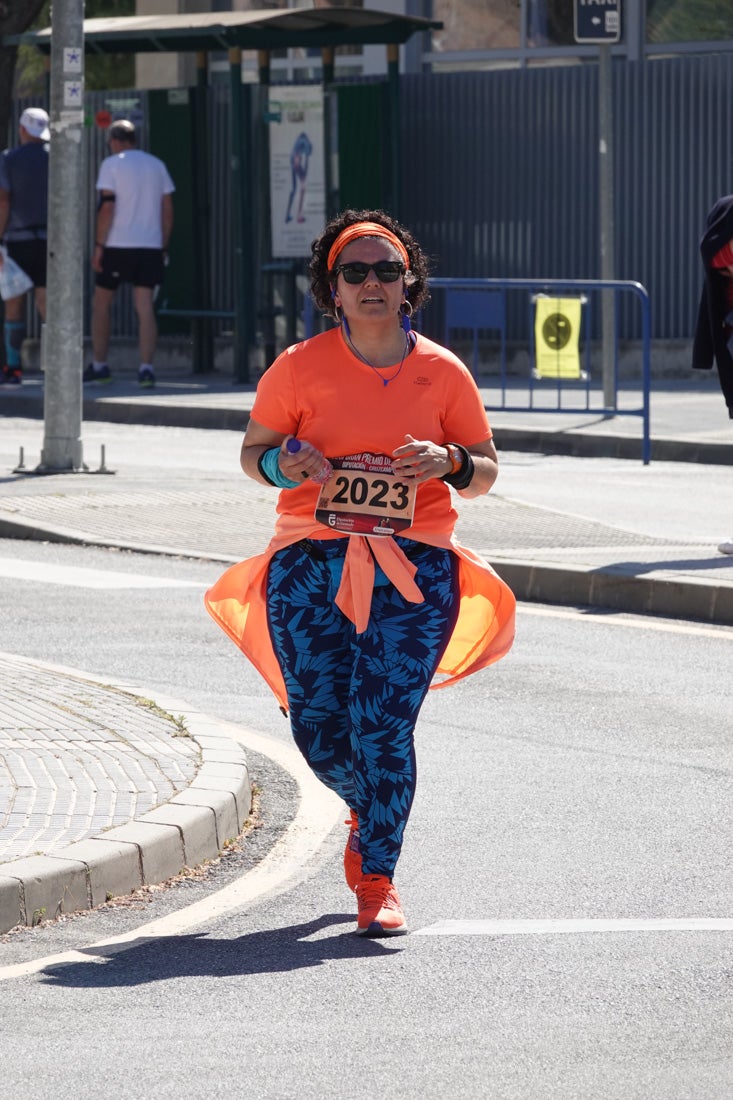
(139, 266)
(31, 256)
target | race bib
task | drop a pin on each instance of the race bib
(364, 497)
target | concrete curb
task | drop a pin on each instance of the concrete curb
(184, 832)
(148, 410)
(22, 529)
(140, 411)
(705, 601)
(578, 444)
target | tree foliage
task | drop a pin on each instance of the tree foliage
(16, 16)
(689, 20)
(27, 70)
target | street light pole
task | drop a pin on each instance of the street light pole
(608, 234)
(62, 405)
(599, 21)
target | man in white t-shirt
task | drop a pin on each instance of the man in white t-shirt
(134, 223)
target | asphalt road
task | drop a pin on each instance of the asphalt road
(587, 776)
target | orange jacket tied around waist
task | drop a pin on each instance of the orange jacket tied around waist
(483, 633)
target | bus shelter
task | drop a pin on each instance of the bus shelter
(314, 30)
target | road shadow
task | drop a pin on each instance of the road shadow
(721, 561)
(161, 958)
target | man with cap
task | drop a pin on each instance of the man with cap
(134, 223)
(23, 218)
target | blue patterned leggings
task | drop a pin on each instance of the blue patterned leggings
(354, 698)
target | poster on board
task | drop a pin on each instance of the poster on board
(297, 175)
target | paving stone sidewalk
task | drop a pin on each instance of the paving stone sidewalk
(103, 791)
(77, 758)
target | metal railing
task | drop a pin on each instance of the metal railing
(514, 323)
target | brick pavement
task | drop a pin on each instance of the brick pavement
(103, 791)
(77, 758)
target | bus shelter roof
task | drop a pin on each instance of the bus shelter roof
(249, 30)
(263, 30)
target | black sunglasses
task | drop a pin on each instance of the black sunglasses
(387, 271)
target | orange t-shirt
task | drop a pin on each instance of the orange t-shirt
(321, 392)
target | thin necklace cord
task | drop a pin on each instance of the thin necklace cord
(385, 381)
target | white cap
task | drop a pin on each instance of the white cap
(35, 121)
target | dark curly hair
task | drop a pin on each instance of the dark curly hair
(416, 288)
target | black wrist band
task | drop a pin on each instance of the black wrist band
(462, 478)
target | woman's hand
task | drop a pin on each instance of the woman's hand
(298, 467)
(421, 459)
(306, 461)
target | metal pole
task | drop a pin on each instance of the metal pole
(646, 328)
(635, 29)
(605, 174)
(202, 327)
(62, 405)
(393, 85)
(328, 55)
(330, 131)
(236, 168)
(253, 103)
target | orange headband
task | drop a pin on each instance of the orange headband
(364, 229)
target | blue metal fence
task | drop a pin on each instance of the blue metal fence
(476, 306)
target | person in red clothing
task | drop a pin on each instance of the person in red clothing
(364, 595)
(714, 331)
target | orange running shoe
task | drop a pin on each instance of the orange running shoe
(352, 853)
(380, 909)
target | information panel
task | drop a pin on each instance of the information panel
(297, 175)
(597, 21)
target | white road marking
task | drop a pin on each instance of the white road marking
(284, 866)
(75, 577)
(574, 926)
(625, 619)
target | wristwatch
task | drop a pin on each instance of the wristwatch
(455, 454)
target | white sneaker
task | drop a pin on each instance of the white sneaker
(726, 547)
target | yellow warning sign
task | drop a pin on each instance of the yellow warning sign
(556, 332)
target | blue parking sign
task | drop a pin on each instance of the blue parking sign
(597, 21)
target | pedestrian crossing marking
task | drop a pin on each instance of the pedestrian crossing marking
(575, 926)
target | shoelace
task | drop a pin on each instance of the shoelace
(377, 891)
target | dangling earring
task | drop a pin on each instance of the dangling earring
(405, 315)
(338, 317)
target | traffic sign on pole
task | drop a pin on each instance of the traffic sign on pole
(596, 21)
